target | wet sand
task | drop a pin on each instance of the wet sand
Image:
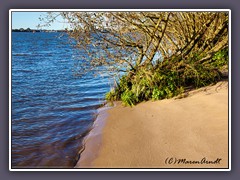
(190, 132)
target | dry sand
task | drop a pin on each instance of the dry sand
(158, 134)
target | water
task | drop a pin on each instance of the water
(52, 110)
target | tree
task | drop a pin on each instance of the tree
(184, 43)
(28, 30)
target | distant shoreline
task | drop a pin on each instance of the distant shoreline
(37, 30)
(192, 131)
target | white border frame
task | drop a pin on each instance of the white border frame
(120, 10)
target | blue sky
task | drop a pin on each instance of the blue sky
(31, 20)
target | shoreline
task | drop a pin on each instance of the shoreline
(92, 141)
(192, 130)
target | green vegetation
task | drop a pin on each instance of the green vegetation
(169, 79)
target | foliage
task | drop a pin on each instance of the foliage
(125, 41)
(220, 58)
(128, 98)
(161, 53)
(166, 83)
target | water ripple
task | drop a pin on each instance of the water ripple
(52, 110)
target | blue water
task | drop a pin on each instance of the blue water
(52, 109)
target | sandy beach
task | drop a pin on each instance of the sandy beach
(189, 132)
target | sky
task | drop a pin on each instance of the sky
(31, 20)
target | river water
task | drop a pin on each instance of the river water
(52, 109)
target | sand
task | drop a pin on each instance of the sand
(189, 132)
